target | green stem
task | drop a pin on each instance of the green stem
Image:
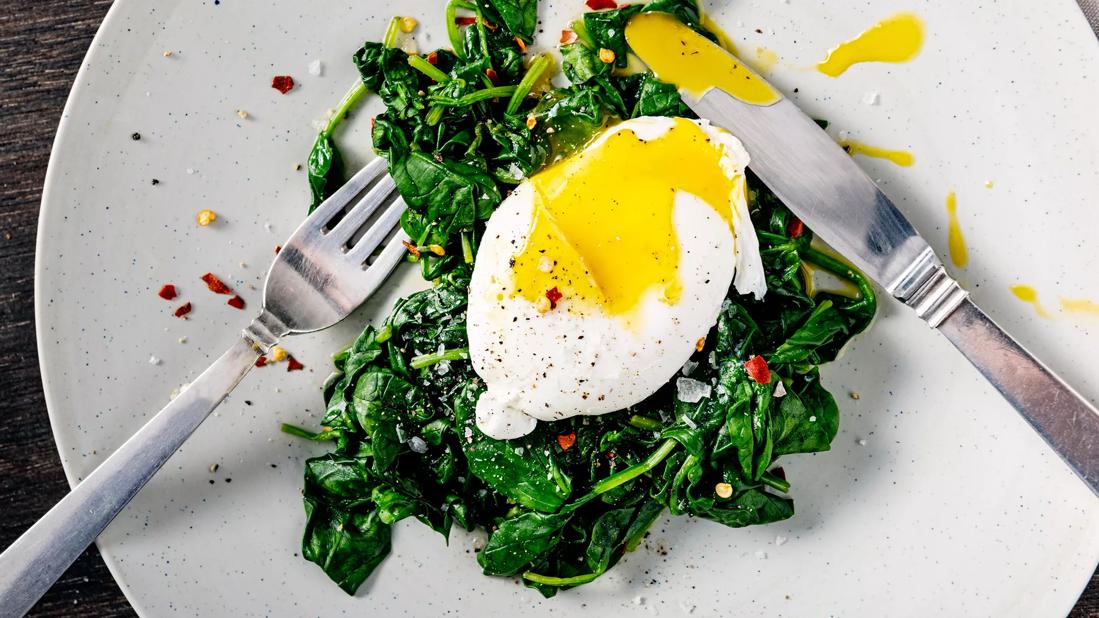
(434, 115)
(384, 333)
(357, 92)
(646, 423)
(426, 360)
(475, 96)
(425, 67)
(840, 269)
(294, 430)
(635, 470)
(582, 33)
(775, 481)
(467, 247)
(452, 31)
(535, 71)
(549, 580)
(391, 31)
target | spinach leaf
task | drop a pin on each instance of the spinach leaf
(520, 540)
(324, 169)
(347, 544)
(520, 17)
(608, 30)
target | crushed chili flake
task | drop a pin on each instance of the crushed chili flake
(261, 361)
(599, 5)
(700, 344)
(521, 44)
(292, 364)
(282, 83)
(432, 58)
(278, 249)
(796, 228)
(565, 441)
(607, 56)
(490, 73)
(413, 249)
(183, 310)
(236, 302)
(167, 291)
(779, 472)
(465, 21)
(568, 37)
(531, 121)
(758, 370)
(554, 295)
(216, 285)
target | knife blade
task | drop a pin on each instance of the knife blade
(821, 184)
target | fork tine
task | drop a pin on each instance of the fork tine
(378, 272)
(360, 212)
(378, 231)
(340, 199)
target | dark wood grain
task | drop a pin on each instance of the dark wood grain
(42, 43)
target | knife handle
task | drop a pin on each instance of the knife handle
(1064, 419)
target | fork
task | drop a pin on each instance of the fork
(323, 272)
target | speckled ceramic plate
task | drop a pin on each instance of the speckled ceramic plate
(935, 500)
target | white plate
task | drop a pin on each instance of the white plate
(952, 506)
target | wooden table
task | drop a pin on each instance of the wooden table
(42, 43)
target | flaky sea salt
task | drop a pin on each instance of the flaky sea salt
(871, 98)
(417, 444)
(316, 68)
(691, 391)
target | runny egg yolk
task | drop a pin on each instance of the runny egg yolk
(683, 57)
(602, 230)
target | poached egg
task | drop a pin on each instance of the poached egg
(598, 277)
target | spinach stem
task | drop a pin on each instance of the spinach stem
(425, 67)
(384, 333)
(426, 360)
(434, 115)
(582, 34)
(775, 481)
(356, 93)
(390, 39)
(294, 430)
(840, 269)
(467, 246)
(452, 31)
(646, 423)
(635, 470)
(475, 97)
(549, 580)
(537, 68)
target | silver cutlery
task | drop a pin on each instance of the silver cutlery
(325, 270)
(826, 189)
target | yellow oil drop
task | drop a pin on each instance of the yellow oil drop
(683, 57)
(894, 39)
(902, 158)
(723, 39)
(959, 253)
(766, 60)
(1029, 295)
(1080, 306)
(988, 184)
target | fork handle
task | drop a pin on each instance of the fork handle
(1067, 422)
(38, 558)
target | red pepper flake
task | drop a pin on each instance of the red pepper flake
(236, 302)
(432, 58)
(278, 249)
(372, 119)
(216, 286)
(758, 370)
(292, 364)
(521, 44)
(554, 295)
(568, 37)
(261, 361)
(411, 248)
(796, 228)
(167, 291)
(599, 5)
(779, 472)
(490, 73)
(465, 21)
(565, 441)
(183, 310)
(282, 83)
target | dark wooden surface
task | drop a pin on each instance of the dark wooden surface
(42, 43)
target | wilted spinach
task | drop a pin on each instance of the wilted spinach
(562, 505)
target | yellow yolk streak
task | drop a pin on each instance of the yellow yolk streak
(766, 59)
(723, 39)
(603, 232)
(895, 39)
(900, 157)
(955, 241)
(683, 57)
(1080, 306)
(1029, 295)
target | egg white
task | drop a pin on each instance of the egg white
(557, 364)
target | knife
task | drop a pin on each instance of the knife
(825, 188)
